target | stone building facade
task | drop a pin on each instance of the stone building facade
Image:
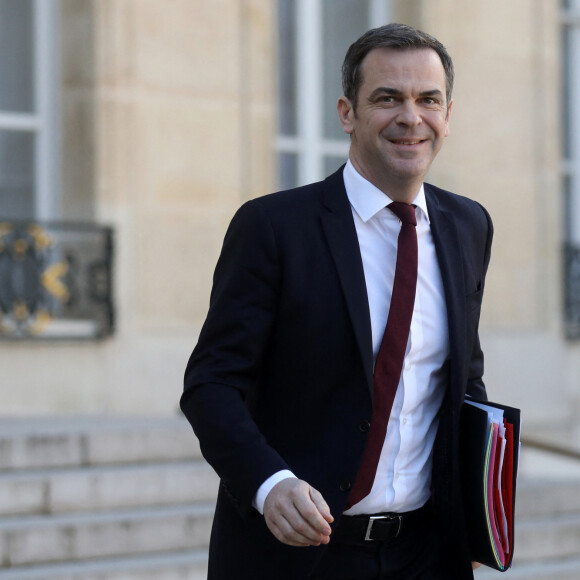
(171, 114)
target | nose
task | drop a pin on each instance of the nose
(409, 114)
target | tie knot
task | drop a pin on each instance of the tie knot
(404, 211)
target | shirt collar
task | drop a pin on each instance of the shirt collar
(367, 200)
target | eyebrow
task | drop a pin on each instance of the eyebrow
(396, 92)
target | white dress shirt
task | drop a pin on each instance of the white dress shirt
(403, 478)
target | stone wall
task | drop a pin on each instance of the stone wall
(506, 137)
(168, 126)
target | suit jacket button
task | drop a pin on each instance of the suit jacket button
(364, 426)
(345, 485)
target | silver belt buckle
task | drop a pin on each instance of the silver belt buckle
(372, 520)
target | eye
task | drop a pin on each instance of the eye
(386, 100)
(431, 101)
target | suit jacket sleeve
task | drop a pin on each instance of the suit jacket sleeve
(475, 385)
(223, 371)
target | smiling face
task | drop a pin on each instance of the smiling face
(400, 121)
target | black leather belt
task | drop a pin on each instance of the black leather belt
(378, 527)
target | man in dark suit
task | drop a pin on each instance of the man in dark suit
(282, 385)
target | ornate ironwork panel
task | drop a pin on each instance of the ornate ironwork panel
(572, 291)
(55, 280)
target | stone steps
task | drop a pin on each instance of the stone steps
(548, 537)
(90, 441)
(191, 565)
(126, 499)
(537, 497)
(564, 569)
(100, 498)
(31, 540)
(547, 520)
(93, 489)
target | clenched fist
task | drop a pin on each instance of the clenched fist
(297, 514)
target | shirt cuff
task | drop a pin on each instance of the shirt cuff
(267, 486)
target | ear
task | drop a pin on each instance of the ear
(448, 117)
(345, 114)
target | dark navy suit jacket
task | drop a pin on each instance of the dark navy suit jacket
(281, 377)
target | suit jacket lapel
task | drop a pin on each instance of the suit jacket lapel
(340, 231)
(449, 256)
(338, 226)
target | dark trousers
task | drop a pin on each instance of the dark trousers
(417, 554)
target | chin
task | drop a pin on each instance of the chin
(415, 172)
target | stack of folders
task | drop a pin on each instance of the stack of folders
(490, 441)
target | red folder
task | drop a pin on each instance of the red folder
(508, 483)
(499, 508)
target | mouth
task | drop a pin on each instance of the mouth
(407, 142)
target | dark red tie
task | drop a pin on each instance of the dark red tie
(389, 363)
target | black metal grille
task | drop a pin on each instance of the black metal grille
(572, 291)
(55, 280)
